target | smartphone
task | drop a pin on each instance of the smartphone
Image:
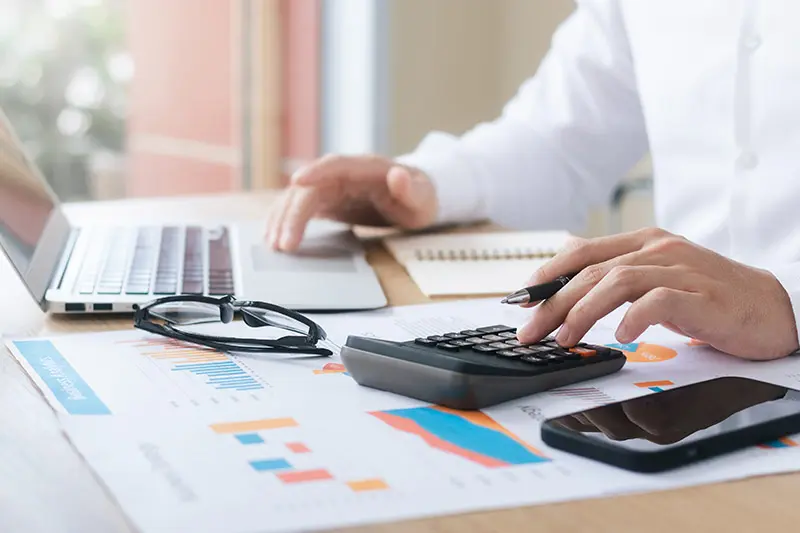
(681, 425)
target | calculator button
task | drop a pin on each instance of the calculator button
(447, 346)
(501, 346)
(551, 344)
(551, 358)
(478, 340)
(484, 348)
(438, 338)
(508, 353)
(538, 348)
(493, 338)
(425, 342)
(567, 355)
(495, 329)
(523, 351)
(471, 333)
(461, 343)
(534, 360)
(507, 334)
(512, 342)
(455, 336)
(583, 352)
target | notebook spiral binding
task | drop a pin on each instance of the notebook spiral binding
(481, 255)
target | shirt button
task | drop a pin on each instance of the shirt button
(752, 43)
(747, 160)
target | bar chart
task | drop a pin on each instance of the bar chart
(218, 369)
(655, 386)
(285, 467)
(590, 395)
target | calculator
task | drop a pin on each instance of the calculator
(474, 368)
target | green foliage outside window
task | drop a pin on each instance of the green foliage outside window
(63, 79)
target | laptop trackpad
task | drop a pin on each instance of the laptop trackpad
(311, 257)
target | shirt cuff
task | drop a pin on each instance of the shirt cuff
(457, 184)
(789, 277)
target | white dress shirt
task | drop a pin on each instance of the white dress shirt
(711, 88)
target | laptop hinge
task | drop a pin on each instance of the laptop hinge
(61, 269)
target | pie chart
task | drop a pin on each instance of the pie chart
(642, 352)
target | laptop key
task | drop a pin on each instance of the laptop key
(193, 262)
(220, 264)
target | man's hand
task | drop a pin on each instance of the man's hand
(365, 190)
(737, 309)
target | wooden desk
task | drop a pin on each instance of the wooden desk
(45, 486)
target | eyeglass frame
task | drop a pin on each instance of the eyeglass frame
(228, 306)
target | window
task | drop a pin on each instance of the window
(116, 98)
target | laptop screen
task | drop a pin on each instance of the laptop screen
(25, 201)
(33, 229)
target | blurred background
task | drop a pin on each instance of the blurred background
(131, 98)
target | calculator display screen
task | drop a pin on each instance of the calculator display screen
(680, 415)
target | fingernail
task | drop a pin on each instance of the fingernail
(562, 337)
(622, 334)
(286, 240)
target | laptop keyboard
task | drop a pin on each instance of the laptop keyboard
(159, 261)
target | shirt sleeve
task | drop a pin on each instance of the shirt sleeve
(560, 145)
(789, 277)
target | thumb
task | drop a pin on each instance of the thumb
(412, 197)
(408, 188)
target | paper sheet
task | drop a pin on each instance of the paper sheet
(285, 445)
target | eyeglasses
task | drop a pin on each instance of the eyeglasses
(171, 315)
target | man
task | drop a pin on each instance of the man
(709, 87)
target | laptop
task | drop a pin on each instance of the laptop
(77, 270)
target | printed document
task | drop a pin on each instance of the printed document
(192, 440)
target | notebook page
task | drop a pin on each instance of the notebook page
(476, 246)
(478, 278)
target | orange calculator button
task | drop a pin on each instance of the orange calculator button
(583, 352)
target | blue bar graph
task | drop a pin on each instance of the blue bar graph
(266, 465)
(223, 375)
(220, 371)
(249, 438)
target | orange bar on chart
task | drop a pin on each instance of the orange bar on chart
(365, 485)
(302, 476)
(662, 383)
(254, 425)
(298, 447)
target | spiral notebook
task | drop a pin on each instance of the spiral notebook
(474, 263)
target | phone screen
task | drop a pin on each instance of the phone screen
(684, 414)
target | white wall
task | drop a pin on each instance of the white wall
(454, 63)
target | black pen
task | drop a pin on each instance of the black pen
(537, 293)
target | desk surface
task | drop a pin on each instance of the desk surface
(45, 486)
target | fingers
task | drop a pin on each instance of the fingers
(623, 284)
(302, 207)
(582, 253)
(659, 305)
(551, 313)
(276, 218)
(402, 204)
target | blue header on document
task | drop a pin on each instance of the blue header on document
(61, 378)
